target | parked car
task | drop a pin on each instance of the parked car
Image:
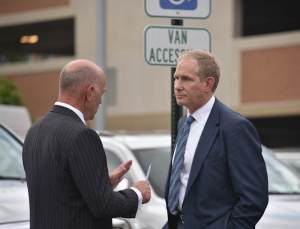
(143, 150)
(16, 117)
(283, 210)
(14, 204)
(290, 156)
(284, 186)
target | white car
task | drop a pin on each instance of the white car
(283, 211)
(290, 156)
(143, 150)
(14, 204)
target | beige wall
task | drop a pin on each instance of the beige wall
(144, 88)
(142, 92)
(13, 6)
(38, 91)
(140, 122)
(141, 88)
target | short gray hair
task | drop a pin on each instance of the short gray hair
(207, 65)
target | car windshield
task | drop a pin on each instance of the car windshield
(159, 158)
(295, 164)
(11, 166)
(282, 180)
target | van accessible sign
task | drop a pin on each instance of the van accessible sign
(163, 44)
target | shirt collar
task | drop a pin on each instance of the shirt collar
(75, 110)
(204, 109)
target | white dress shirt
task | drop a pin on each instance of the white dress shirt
(201, 115)
(75, 110)
(80, 115)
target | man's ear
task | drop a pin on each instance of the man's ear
(89, 92)
(210, 82)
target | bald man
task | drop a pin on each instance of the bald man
(68, 182)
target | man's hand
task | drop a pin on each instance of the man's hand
(144, 188)
(117, 174)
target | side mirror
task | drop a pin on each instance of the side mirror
(124, 184)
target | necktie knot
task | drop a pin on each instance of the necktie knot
(189, 120)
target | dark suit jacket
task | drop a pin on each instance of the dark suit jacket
(67, 176)
(228, 184)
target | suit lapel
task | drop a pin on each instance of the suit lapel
(206, 140)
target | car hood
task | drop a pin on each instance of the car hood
(14, 204)
(283, 211)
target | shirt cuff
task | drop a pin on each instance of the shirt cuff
(140, 197)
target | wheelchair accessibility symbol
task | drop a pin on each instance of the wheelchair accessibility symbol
(178, 4)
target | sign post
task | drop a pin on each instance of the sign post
(176, 111)
(164, 44)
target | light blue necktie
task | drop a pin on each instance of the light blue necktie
(173, 197)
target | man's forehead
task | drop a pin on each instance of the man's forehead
(186, 64)
(187, 60)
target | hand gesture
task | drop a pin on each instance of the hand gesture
(117, 174)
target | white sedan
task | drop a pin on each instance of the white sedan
(283, 211)
(284, 187)
(14, 204)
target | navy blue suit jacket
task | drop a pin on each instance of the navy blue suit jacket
(228, 184)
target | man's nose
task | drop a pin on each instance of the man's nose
(177, 85)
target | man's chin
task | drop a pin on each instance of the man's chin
(180, 103)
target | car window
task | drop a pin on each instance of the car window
(159, 158)
(282, 179)
(295, 165)
(10, 156)
(113, 161)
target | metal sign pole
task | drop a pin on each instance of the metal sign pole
(176, 111)
(100, 116)
(157, 50)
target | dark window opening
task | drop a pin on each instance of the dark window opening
(279, 132)
(269, 16)
(35, 41)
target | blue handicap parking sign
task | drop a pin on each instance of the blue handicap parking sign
(178, 4)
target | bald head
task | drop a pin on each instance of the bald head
(77, 74)
(82, 84)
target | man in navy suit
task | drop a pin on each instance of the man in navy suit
(67, 176)
(222, 180)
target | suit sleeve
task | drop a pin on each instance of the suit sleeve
(248, 175)
(87, 162)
